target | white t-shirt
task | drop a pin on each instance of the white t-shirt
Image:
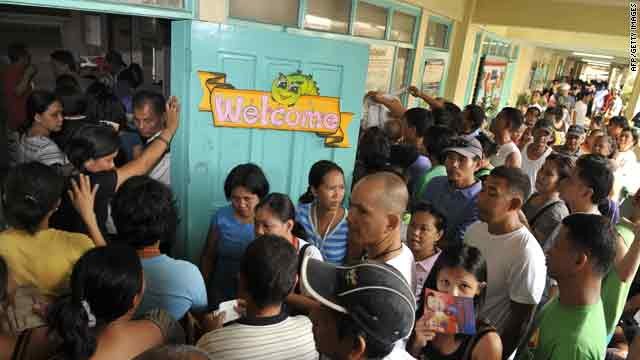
(626, 173)
(405, 263)
(503, 153)
(516, 269)
(310, 252)
(581, 113)
(398, 354)
(531, 167)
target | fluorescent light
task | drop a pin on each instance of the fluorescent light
(593, 55)
(594, 62)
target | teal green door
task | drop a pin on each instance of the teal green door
(251, 59)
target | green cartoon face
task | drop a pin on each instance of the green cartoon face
(287, 89)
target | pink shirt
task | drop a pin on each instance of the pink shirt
(423, 268)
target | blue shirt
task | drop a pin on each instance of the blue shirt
(233, 239)
(334, 247)
(459, 206)
(173, 285)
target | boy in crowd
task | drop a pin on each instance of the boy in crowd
(366, 310)
(572, 325)
(267, 275)
(589, 184)
(515, 283)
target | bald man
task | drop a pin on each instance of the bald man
(377, 205)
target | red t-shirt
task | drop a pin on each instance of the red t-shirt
(16, 105)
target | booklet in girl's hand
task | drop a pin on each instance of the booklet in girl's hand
(449, 314)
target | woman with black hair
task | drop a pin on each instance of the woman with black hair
(276, 215)
(145, 214)
(231, 230)
(33, 142)
(92, 151)
(38, 255)
(321, 211)
(96, 320)
(459, 271)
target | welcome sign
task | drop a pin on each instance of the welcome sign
(294, 103)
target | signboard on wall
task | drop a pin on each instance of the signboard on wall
(432, 77)
(490, 82)
(380, 68)
(294, 104)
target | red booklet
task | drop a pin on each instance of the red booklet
(449, 314)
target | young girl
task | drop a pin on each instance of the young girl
(275, 215)
(95, 320)
(544, 209)
(231, 231)
(321, 212)
(459, 271)
(426, 229)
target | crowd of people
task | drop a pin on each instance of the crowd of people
(531, 217)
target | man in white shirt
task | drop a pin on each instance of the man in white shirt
(580, 111)
(376, 210)
(149, 111)
(366, 310)
(516, 264)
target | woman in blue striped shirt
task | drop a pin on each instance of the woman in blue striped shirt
(321, 212)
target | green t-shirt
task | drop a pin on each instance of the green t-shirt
(434, 172)
(567, 333)
(614, 292)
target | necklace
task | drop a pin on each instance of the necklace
(384, 253)
(316, 223)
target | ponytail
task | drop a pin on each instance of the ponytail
(307, 197)
(298, 231)
(70, 321)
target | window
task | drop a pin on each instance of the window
(328, 15)
(278, 12)
(176, 4)
(437, 35)
(403, 61)
(371, 21)
(402, 27)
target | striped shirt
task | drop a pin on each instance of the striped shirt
(23, 149)
(334, 247)
(279, 337)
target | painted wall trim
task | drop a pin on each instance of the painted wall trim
(113, 7)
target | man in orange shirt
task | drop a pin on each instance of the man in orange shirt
(16, 84)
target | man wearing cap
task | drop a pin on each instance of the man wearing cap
(573, 142)
(376, 209)
(365, 310)
(455, 195)
(535, 153)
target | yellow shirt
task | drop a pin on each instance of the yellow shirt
(43, 260)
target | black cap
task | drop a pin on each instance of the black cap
(577, 130)
(375, 295)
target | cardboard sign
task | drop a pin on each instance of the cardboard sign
(294, 104)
